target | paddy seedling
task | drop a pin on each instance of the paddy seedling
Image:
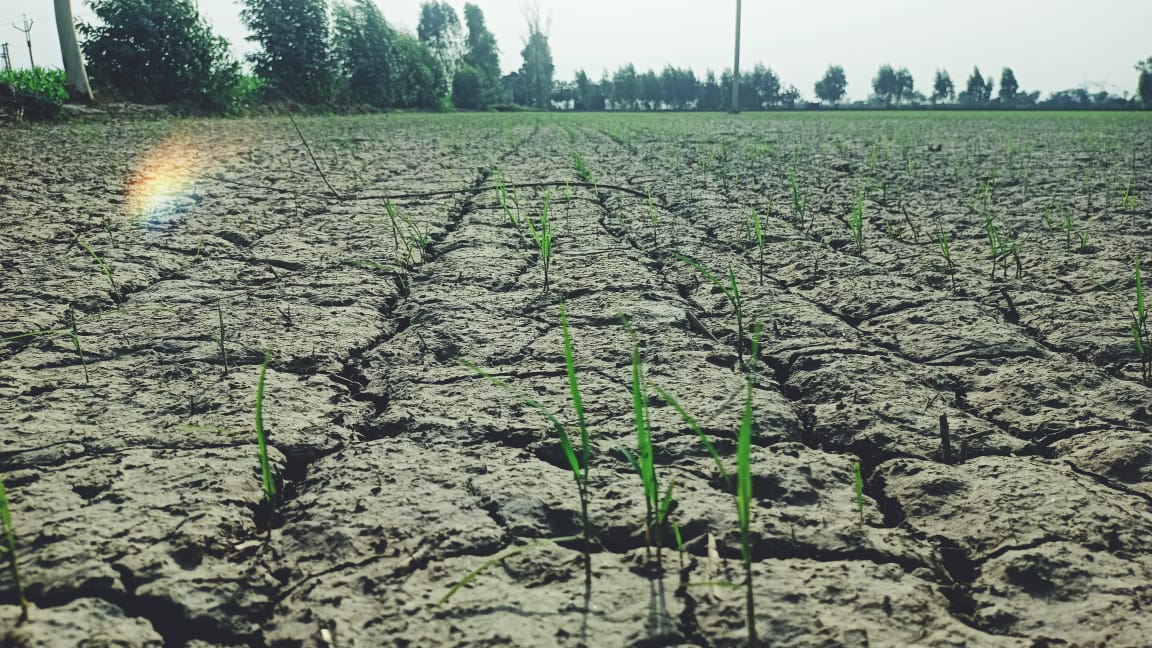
(75, 336)
(10, 550)
(798, 203)
(578, 458)
(859, 482)
(103, 267)
(856, 223)
(945, 248)
(652, 219)
(220, 338)
(394, 221)
(731, 291)
(759, 231)
(1141, 336)
(269, 484)
(656, 505)
(581, 169)
(542, 234)
(744, 487)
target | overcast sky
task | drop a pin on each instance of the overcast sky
(1050, 44)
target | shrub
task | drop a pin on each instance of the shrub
(159, 51)
(35, 94)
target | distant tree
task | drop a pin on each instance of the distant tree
(886, 85)
(789, 97)
(419, 76)
(159, 51)
(588, 95)
(364, 44)
(760, 88)
(537, 68)
(650, 90)
(626, 87)
(942, 87)
(439, 29)
(905, 89)
(294, 57)
(469, 88)
(1144, 82)
(678, 86)
(977, 91)
(1008, 86)
(833, 86)
(710, 97)
(481, 53)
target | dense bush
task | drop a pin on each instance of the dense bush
(295, 56)
(158, 51)
(33, 94)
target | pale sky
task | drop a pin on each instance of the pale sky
(1049, 44)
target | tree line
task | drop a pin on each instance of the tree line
(347, 53)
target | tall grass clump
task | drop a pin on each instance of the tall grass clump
(579, 457)
(10, 549)
(1141, 336)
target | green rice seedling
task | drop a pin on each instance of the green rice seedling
(859, 480)
(759, 231)
(1066, 225)
(581, 168)
(1128, 201)
(744, 487)
(644, 461)
(10, 549)
(653, 220)
(798, 206)
(269, 483)
(945, 248)
(75, 336)
(1141, 336)
(543, 237)
(220, 339)
(394, 221)
(1084, 237)
(732, 291)
(578, 458)
(856, 223)
(103, 267)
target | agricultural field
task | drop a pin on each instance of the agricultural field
(868, 379)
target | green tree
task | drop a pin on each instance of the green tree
(905, 89)
(481, 53)
(537, 69)
(1144, 82)
(469, 88)
(294, 57)
(1008, 86)
(419, 76)
(650, 90)
(978, 91)
(588, 95)
(626, 87)
(159, 51)
(886, 85)
(762, 89)
(439, 29)
(364, 44)
(942, 88)
(833, 86)
(710, 95)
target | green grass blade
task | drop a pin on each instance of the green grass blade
(499, 559)
(574, 389)
(10, 538)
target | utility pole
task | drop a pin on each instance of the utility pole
(7, 59)
(78, 88)
(736, 66)
(27, 37)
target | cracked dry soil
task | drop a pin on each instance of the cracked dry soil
(133, 476)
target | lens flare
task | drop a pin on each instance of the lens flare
(159, 189)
